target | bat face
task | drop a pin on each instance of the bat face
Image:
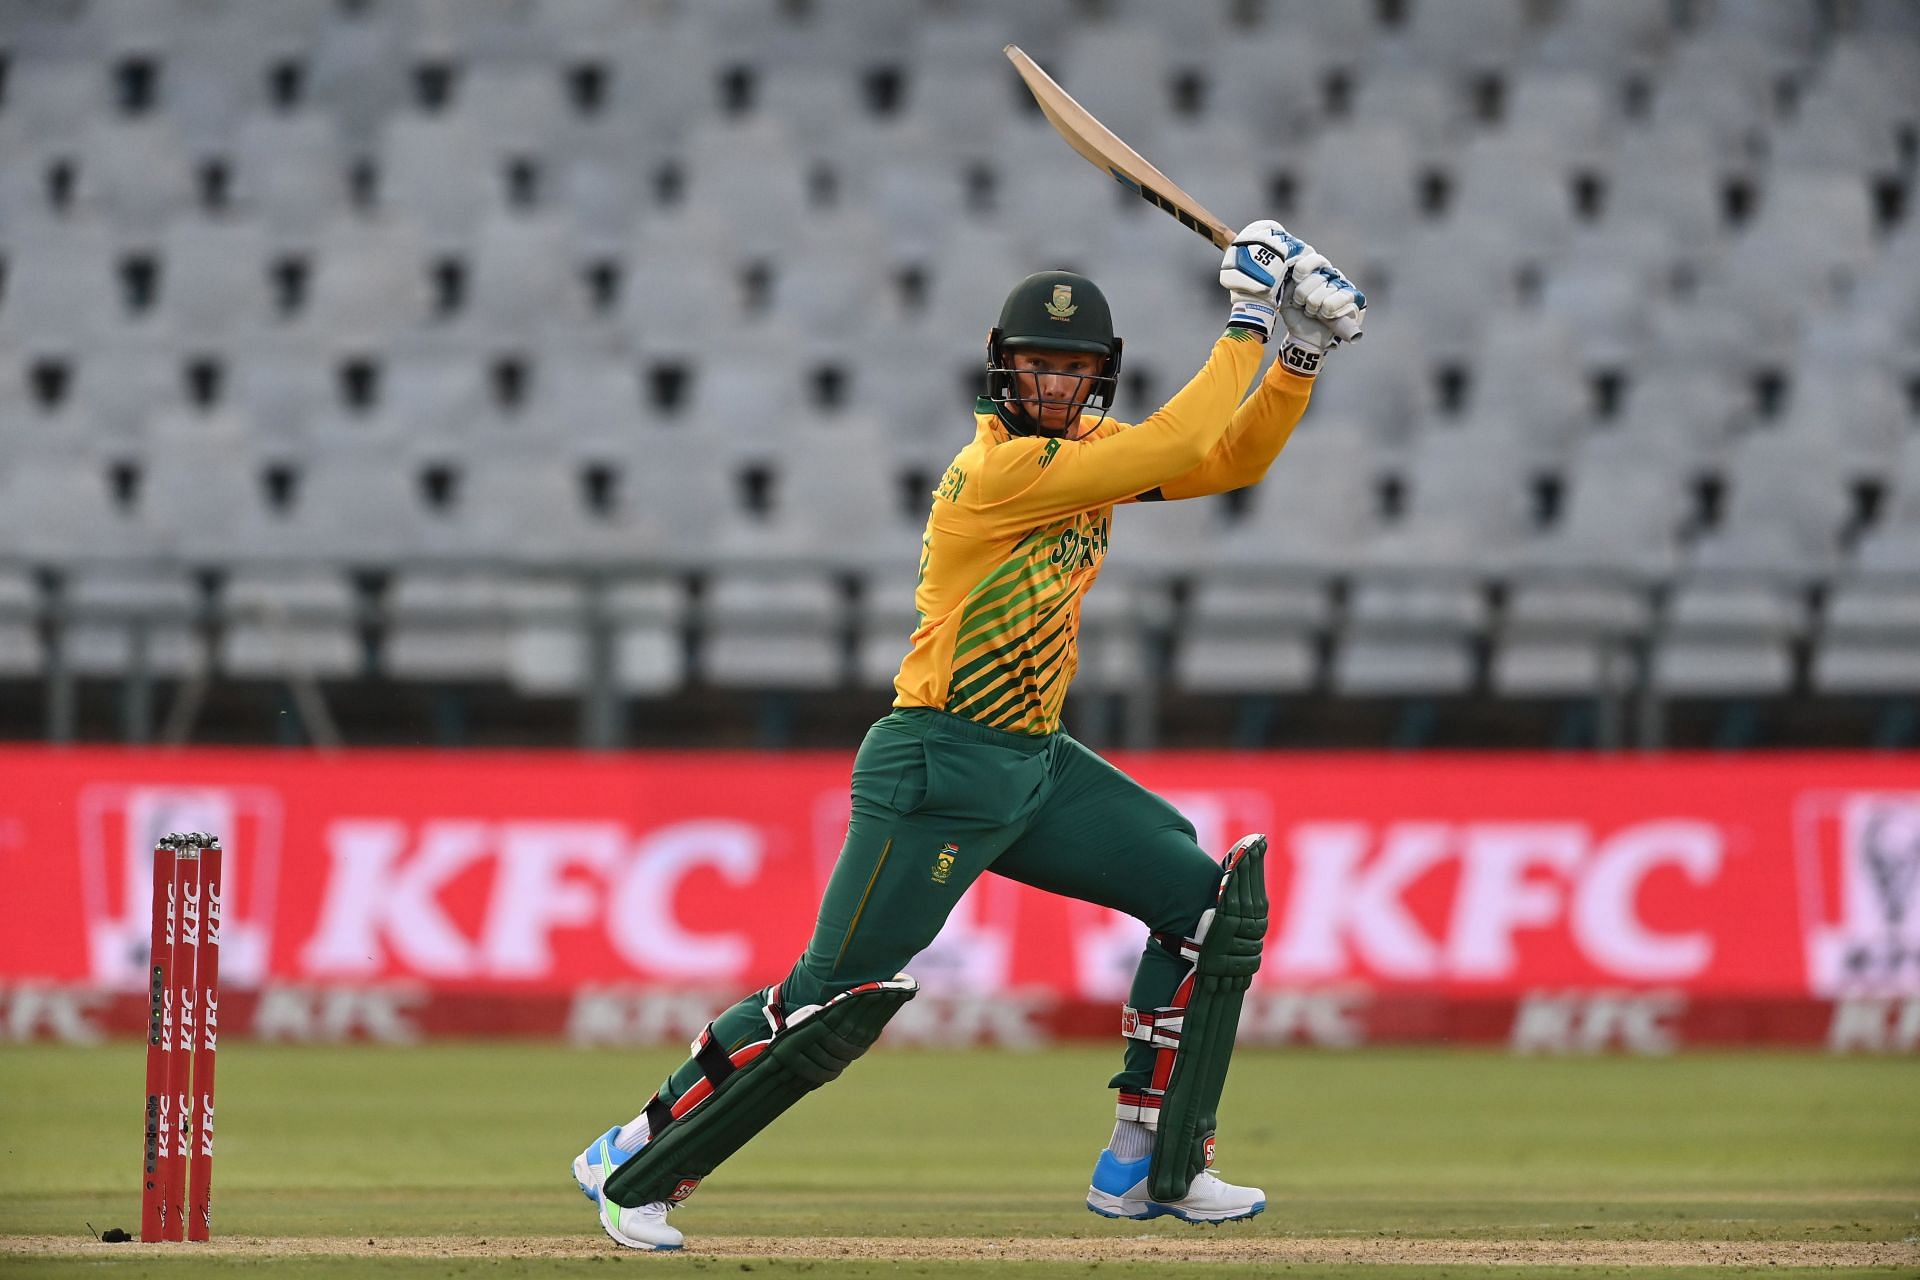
(1128, 167)
(1085, 134)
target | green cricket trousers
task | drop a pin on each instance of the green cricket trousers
(937, 801)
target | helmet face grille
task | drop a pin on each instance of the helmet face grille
(1023, 413)
(1052, 311)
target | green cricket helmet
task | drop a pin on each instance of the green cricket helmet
(1052, 311)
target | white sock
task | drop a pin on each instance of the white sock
(1131, 1140)
(633, 1134)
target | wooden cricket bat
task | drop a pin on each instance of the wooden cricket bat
(1128, 167)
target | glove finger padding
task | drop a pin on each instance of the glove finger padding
(1317, 299)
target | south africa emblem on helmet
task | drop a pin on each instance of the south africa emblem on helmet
(1062, 306)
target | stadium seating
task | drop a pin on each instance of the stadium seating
(550, 308)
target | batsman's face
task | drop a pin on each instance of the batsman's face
(1053, 386)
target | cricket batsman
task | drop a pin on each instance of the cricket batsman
(970, 772)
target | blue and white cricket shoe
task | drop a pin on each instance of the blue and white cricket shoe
(644, 1227)
(1119, 1190)
(602, 1157)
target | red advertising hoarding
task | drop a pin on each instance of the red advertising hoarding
(1424, 882)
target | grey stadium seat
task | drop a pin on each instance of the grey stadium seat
(290, 173)
(134, 177)
(1315, 507)
(679, 488)
(284, 386)
(772, 632)
(360, 74)
(59, 289)
(440, 173)
(1467, 502)
(123, 383)
(517, 105)
(1168, 535)
(1246, 631)
(1613, 474)
(884, 622)
(1118, 622)
(1522, 186)
(745, 177)
(289, 623)
(1869, 639)
(353, 505)
(215, 281)
(1728, 635)
(120, 618)
(463, 625)
(1410, 636)
(835, 498)
(1529, 374)
(1578, 593)
(369, 282)
(52, 100)
(21, 652)
(56, 507)
(524, 280)
(586, 393)
(1472, 34)
(1423, 102)
(1669, 177)
(1787, 505)
(649, 619)
(1604, 34)
(1563, 638)
(1364, 175)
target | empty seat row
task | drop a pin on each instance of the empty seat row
(1233, 634)
(1477, 492)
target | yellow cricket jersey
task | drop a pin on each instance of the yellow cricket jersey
(1020, 526)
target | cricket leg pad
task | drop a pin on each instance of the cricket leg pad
(1193, 1037)
(741, 1092)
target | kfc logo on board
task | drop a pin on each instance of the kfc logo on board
(1419, 901)
(391, 887)
(119, 825)
(1859, 868)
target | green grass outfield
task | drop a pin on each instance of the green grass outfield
(1395, 1163)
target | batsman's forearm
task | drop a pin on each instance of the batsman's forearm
(1260, 429)
(1201, 413)
(1026, 480)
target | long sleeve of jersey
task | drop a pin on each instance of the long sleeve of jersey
(1260, 429)
(1029, 479)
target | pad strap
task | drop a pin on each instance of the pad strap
(742, 1091)
(1187, 949)
(715, 1064)
(1156, 1026)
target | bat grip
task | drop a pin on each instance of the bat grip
(1347, 329)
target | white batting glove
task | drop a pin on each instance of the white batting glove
(1314, 296)
(1253, 272)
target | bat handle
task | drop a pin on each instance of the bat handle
(1347, 329)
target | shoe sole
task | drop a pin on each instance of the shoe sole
(1121, 1208)
(583, 1178)
(625, 1243)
